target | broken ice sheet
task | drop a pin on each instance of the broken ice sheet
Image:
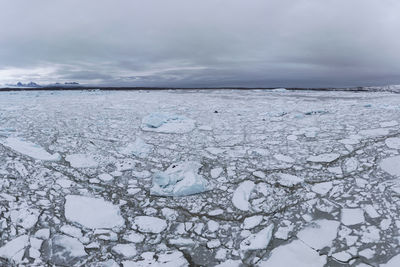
(139, 148)
(180, 179)
(92, 212)
(29, 149)
(167, 123)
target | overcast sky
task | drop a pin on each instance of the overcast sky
(254, 43)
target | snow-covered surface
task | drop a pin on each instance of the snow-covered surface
(180, 179)
(92, 212)
(80, 188)
(29, 149)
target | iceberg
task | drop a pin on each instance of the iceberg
(167, 123)
(180, 179)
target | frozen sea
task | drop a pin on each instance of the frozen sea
(199, 178)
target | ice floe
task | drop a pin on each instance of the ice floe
(259, 240)
(14, 250)
(241, 195)
(319, 234)
(391, 165)
(148, 224)
(296, 253)
(180, 179)
(352, 216)
(81, 161)
(92, 212)
(30, 149)
(167, 123)
(66, 251)
(324, 158)
(393, 142)
(139, 148)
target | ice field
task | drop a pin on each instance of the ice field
(200, 178)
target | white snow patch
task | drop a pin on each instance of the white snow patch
(241, 195)
(92, 212)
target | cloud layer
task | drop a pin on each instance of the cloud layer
(201, 43)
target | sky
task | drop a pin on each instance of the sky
(207, 43)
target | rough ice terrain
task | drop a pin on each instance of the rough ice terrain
(199, 178)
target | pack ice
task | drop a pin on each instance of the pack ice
(180, 179)
(167, 123)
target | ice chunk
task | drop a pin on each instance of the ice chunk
(284, 158)
(105, 177)
(324, 158)
(296, 254)
(241, 195)
(126, 250)
(179, 179)
(391, 165)
(352, 216)
(322, 188)
(164, 259)
(66, 251)
(14, 249)
(148, 224)
(92, 212)
(319, 234)
(393, 262)
(289, 180)
(30, 149)
(374, 132)
(253, 221)
(258, 240)
(393, 142)
(167, 123)
(139, 148)
(81, 161)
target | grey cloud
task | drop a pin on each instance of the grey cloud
(201, 43)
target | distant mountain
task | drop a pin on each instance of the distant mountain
(30, 84)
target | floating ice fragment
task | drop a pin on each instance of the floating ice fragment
(324, 158)
(352, 216)
(92, 212)
(148, 224)
(179, 179)
(14, 249)
(81, 161)
(374, 132)
(322, 188)
(393, 262)
(289, 180)
(391, 165)
(393, 142)
(167, 123)
(258, 240)
(319, 234)
(139, 148)
(251, 222)
(126, 250)
(66, 251)
(296, 254)
(241, 195)
(30, 149)
(164, 259)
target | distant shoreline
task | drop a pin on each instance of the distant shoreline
(111, 88)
